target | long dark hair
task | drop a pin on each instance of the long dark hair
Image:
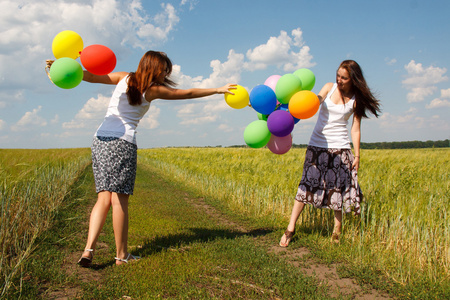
(151, 66)
(365, 100)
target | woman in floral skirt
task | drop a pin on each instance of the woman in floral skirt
(330, 170)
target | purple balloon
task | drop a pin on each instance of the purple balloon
(280, 123)
(263, 99)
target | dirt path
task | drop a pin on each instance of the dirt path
(297, 257)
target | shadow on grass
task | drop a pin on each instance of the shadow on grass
(192, 235)
(195, 235)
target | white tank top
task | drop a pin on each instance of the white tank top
(331, 127)
(122, 118)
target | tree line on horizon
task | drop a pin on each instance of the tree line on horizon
(384, 145)
(398, 145)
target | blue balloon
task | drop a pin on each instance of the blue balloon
(284, 107)
(263, 99)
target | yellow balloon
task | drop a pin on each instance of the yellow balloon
(67, 44)
(239, 100)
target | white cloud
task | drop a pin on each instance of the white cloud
(30, 120)
(410, 121)
(55, 120)
(2, 124)
(28, 27)
(165, 21)
(191, 3)
(437, 103)
(390, 61)
(222, 73)
(421, 81)
(281, 51)
(225, 128)
(196, 113)
(445, 93)
(442, 101)
(90, 115)
(150, 120)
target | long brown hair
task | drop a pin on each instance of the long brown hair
(365, 100)
(151, 66)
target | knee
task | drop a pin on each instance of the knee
(104, 199)
(119, 200)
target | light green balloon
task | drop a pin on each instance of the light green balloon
(262, 117)
(307, 77)
(257, 134)
(286, 87)
(66, 73)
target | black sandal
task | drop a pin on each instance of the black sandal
(288, 234)
(84, 261)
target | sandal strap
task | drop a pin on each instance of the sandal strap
(289, 234)
(130, 256)
(89, 250)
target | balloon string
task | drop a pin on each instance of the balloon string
(49, 63)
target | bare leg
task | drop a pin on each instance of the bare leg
(337, 226)
(296, 211)
(120, 224)
(97, 220)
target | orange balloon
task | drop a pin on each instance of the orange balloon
(304, 104)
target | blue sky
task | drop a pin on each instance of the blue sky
(402, 46)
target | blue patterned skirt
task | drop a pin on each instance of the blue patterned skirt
(114, 164)
(328, 180)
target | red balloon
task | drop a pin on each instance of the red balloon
(98, 59)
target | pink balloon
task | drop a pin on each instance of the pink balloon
(280, 145)
(272, 81)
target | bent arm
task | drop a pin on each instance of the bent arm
(111, 78)
(356, 139)
(324, 91)
(167, 93)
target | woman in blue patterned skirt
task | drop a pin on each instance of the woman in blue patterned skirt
(114, 149)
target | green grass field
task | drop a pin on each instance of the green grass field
(400, 243)
(403, 233)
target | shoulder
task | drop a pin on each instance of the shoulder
(328, 86)
(121, 75)
(325, 90)
(156, 91)
(117, 77)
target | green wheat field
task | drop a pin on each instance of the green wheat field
(402, 235)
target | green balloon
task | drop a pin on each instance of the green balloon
(257, 134)
(66, 73)
(262, 117)
(307, 77)
(287, 85)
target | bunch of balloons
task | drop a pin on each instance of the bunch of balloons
(66, 72)
(280, 103)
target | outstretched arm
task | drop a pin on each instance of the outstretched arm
(111, 78)
(167, 93)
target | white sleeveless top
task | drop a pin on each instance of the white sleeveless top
(331, 127)
(122, 118)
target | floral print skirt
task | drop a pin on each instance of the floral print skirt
(328, 180)
(114, 164)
